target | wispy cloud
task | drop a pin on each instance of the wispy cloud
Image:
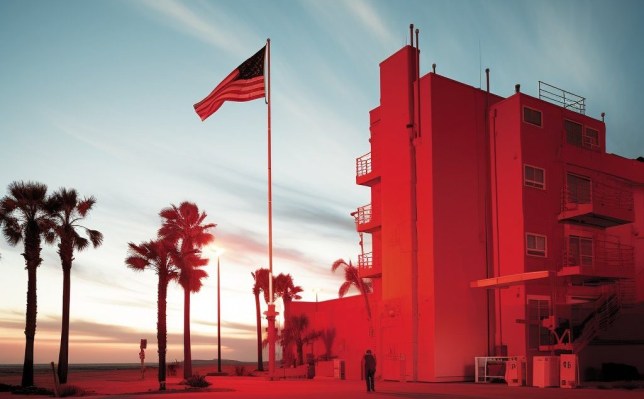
(207, 24)
(371, 20)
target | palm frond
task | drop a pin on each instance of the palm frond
(95, 236)
(344, 288)
(136, 263)
(80, 243)
(85, 205)
(338, 263)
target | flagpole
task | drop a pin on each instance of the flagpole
(270, 313)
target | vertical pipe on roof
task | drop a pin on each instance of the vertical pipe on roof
(415, 133)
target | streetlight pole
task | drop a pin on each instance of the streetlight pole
(218, 320)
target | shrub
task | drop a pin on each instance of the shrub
(240, 371)
(71, 390)
(32, 391)
(197, 381)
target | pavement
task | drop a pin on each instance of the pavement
(130, 385)
(115, 384)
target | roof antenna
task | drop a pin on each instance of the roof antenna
(411, 34)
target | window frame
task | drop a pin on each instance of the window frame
(535, 251)
(568, 134)
(579, 260)
(534, 183)
(525, 107)
(586, 142)
(577, 197)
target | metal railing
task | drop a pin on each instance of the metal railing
(606, 255)
(562, 97)
(364, 214)
(363, 165)
(365, 261)
(603, 194)
(602, 315)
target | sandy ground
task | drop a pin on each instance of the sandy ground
(127, 383)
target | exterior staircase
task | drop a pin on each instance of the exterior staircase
(592, 319)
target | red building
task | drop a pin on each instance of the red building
(498, 226)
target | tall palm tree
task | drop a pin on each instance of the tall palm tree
(352, 279)
(184, 227)
(26, 220)
(260, 276)
(66, 209)
(157, 255)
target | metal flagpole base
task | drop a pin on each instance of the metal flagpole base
(272, 335)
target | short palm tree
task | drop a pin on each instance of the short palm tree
(352, 279)
(26, 220)
(296, 332)
(157, 255)
(184, 227)
(66, 209)
(260, 276)
(288, 291)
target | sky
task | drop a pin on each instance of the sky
(97, 96)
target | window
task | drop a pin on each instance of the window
(573, 133)
(579, 137)
(578, 189)
(534, 177)
(535, 244)
(538, 311)
(532, 116)
(591, 139)
(580, 251)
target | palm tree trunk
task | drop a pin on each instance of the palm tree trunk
(63, 355)
(32, 260)
(286, 347)
(162, 334)
(187, 356)
(30, 329)
(260, 361)
(300, 352)
(366, 301)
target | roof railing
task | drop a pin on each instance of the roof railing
(562, 97)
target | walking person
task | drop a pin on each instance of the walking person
(369, 361)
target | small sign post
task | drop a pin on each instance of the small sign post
(144, 344)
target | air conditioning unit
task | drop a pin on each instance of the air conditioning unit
(569, 371)
(545, 371)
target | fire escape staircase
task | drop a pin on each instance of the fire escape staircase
(602, 315)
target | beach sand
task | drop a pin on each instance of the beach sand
(117, 380)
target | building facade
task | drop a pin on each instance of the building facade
(498, 227)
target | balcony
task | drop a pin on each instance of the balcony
(596, 204)
(366, 220)
(365, 175)
(594, 261)
(368, 267)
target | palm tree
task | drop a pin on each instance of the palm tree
(288, 291)
(352, 279)
(25, 220)
(296, 332)
(66, 209)
(184, 227)
(260, 276)
(157, 255)
(328, 336)
(285, 289)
